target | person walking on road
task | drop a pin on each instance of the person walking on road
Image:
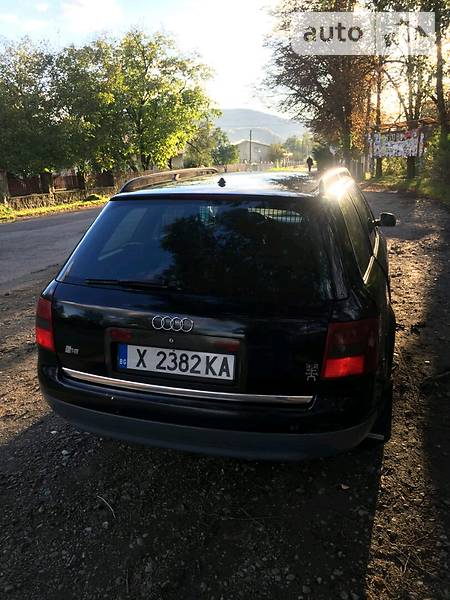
(309, 162)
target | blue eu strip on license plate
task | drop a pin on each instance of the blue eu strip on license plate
(122, 356)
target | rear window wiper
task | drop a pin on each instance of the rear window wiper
(133, 284)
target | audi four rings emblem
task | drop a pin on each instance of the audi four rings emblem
(172, 324)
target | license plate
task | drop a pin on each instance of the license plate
(168, 361)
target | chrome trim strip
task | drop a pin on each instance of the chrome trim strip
(174, 391)
(372, 259)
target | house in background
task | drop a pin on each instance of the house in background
(259, 151)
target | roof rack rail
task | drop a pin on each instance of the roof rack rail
(330, 176)
(145, 181)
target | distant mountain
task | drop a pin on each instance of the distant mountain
(267, 128)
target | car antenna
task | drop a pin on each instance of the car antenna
(222, 182)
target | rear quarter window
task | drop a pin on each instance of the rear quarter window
(364, 212)
(357, 233)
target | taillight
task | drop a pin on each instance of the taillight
(44, 328)
(351, 349)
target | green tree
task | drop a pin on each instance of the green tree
(133, 102)
(300, 147)
(160, 94)
(199, 149)
(276, 152)
(83, 88)
(226, 153)
(29, 125)
(294, 145)
(442, 100)
(210, 146)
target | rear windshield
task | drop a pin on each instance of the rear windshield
(271, 250)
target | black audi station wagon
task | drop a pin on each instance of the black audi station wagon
(233, 315)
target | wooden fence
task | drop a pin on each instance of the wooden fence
(18, 186)
(47, 183)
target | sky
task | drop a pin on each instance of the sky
(229, 35)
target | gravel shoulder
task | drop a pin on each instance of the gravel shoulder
(88, 518)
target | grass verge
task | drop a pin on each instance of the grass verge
(420, 186)
(10, 214)
(299, 168)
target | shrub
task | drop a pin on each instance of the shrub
(438, 160)
(394, 166)
(6, 212)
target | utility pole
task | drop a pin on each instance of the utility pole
(250, 151)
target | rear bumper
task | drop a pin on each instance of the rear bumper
(242, 444)
(220, 428)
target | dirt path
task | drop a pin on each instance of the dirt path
(84, 518)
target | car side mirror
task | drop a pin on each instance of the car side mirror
(386, 220)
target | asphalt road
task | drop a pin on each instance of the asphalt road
(32, 245)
